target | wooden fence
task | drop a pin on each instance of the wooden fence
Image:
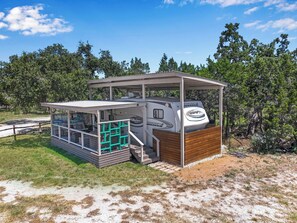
(29, 128)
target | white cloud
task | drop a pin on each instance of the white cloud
(29, 21)
(185, 2)
(226, 3)
(252, 24)
(282, 5)
(251, 10)
(184, 52)
(272, 2)
(1, 15)
(281, 24)
(3, 37)
(2, 25)
(291, 38)
(168, 2)
(287, 7)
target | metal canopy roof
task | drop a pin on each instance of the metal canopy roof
(91, 106)
(164, 80)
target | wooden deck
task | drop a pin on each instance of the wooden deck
(103, 160)
(198, 145)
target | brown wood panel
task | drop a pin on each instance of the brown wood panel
(202, 144)
(169, 146)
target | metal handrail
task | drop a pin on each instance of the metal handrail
(155, 138)
(141, 143)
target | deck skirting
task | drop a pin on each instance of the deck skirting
(104, 160)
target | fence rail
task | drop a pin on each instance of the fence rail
(14, 128)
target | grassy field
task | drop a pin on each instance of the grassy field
(10, 115)
(32, 158)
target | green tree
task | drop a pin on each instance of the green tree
(163, 66)
(137, 67)
(109, 67)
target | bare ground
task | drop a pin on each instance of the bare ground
(228, 189)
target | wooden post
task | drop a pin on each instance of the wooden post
(182, 129)
(39, 127)
(98, 132)
(144, 116)
(221, 113)
(14, 132)
(68, 125)
(110, 93)
(90, 94)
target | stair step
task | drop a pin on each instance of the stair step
(149, 155)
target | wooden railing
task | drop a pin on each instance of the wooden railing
(157, 140)
(94, 143)
(75, 141)
(139, 141)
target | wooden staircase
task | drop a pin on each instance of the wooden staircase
(149, 155)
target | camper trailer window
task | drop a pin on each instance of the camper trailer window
(158, 113)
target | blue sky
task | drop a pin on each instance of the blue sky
(187, 30)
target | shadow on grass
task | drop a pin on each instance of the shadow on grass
(41, 141)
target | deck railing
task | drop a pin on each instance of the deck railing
(77, 137)
(157, 140)
(139, 141)
(114, 135)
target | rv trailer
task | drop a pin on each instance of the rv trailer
(162, 114)
(110, 131)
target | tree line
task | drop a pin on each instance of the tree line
(260, 100)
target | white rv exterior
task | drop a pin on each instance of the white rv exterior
(163, 114)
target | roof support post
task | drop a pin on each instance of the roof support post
(182, 127)
(68, 125)
(143, 91)
(221, 112)
(110, 93)
(98, 132)
(90, 93)
(51, 117)
(144, 116)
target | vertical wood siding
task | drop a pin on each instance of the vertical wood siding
(169, 146)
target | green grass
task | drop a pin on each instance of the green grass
(31, 158)
(10, 115)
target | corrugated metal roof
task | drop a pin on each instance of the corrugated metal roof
(155, 79)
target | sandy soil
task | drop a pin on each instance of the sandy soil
(228, 189)
(221, 166)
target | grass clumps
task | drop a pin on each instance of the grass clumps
(25, 209)
(31, 158)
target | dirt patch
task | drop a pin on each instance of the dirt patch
(225, 165)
